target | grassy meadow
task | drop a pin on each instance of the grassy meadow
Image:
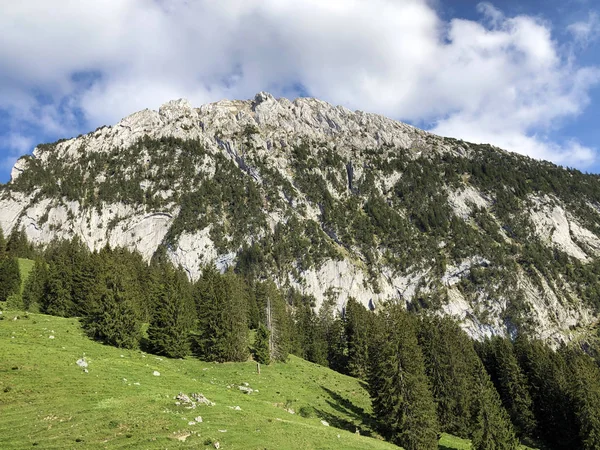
(126, 398)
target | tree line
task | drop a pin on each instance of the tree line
(424, 374)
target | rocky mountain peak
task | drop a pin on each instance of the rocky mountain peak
(329, 202)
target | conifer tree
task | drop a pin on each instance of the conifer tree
(492, 428)
(253, 312)
(221, 302)
(274, 315)
(511, 383)
(450, 363)
(549, 386)
(114, 319)
(2, 245)
(174, 316)
(330, 328)
(84, 276)
(57, 298)
(234, 337)
(309, 338)
(357, 330)
(584, 388)
(35, 286)
(337, 348)
(10, 278)
(17, 244)
(401, 397)
(262, 352)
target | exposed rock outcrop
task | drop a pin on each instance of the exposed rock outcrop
(277, 147)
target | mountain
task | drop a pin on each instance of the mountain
(332, 203)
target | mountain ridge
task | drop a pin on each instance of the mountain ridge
(333, 203)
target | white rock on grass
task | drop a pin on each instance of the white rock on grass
(325, 423)
(82, 363)
(156, 373)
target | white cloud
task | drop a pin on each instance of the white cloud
(586, 31)
(501, 80)
(18, 145)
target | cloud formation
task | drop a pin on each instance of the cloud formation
(501, 79)
(586, 31)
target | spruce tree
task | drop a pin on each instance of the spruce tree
(337, 348)
(262, 353)
(114, 319)
(221, 302)
(57, 299)
(510, 381)
(553, 405)
(233, 344)
(331, 327)
(273, 313)
(35, 286)
(174, 316)
(84, 276)
(253, 312)
(309, 339)
(401, 397)
(357, 330)
(451, 364)
(584, 388)
(492, 429)
(17, 244)
(2, 245)
(10, 278)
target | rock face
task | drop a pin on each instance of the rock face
(330, 202)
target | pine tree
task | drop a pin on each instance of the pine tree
(234, 339)
(553, 406)
(511, 383)
(84, 276)
(174, 316)
(331, 327)
(57, 298)
(401, 397)
(35, 286)
(584, 388)
(308, 338)
(337, 348)
(274, 315)
(357, 330)
(2, 245)
(114, 319)
(17, 244)
(450, 363)
(492, 427)
(221, 302)
(10, 278)
(262, 353)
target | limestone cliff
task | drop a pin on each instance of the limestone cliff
(331, 202)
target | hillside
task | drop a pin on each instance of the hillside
(333, 203)
(48, 401)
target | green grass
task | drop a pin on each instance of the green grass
(47, 401)
(25, 267)
(452, 442)
(45, 398)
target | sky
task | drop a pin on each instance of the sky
(523, 75)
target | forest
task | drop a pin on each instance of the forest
(424, 374)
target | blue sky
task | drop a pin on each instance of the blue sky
(522, 75)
